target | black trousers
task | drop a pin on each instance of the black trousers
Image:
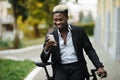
(69, 72)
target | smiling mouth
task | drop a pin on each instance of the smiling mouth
(59, 25)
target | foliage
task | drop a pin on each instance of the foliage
(31, 41)
(48, 10)
(87, 18)
(40, 9)
(14, 70)
(81, 16)
(43, 31)
(40, 12)
(89, 27)
(18, 9)
(8, 44)
(28, 14)
(30, 27)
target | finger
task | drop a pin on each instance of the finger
(103, 76)
(48, 39)
(51, 44)
(99, 75)
(55, 44)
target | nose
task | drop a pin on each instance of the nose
(58, 22)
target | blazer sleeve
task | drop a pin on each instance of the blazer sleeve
(90, 51)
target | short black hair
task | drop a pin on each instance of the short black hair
(63, 12)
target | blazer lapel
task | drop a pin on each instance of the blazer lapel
(74, 38)
(56, 36)
(57, 48)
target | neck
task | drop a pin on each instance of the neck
(65, 29)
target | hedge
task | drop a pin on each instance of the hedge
(89, 27)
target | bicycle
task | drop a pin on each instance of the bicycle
(43, 65)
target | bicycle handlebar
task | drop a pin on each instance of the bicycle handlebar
(41, 64)
(93, 74)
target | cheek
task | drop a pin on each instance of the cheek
(58, 25)
(54, 22)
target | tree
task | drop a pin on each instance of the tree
(42, 9)
(17, 11)
(37, 9)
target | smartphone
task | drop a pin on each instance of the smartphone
(50, 37)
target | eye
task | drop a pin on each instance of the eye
(54, 19)
(60, 19)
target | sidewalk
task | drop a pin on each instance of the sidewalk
(28, 53)
(111, 65)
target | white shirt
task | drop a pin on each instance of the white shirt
(67, 51)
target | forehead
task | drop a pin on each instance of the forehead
(58, 15)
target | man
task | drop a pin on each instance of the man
(67, 49)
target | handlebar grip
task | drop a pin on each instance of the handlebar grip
(41, 64)
(93, 74)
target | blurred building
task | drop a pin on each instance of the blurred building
(107, 30)
(6, 21)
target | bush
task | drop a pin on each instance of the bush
(43, 31)
(35, 32)
(89, 27)
(8, 44)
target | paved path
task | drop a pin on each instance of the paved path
(112, 66)
(30, 53)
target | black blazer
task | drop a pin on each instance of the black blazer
(80, 42)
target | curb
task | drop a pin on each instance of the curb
(33, 73)
(20, 50)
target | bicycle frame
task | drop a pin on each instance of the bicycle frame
(93, 74)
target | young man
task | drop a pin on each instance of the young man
(67, 49)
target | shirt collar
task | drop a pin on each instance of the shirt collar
(69, 29)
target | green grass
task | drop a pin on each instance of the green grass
(30, 42)
(15, 70)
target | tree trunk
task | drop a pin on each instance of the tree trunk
(16, 38)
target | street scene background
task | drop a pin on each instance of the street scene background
(24, 24)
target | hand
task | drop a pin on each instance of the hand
(101, 73)
(50, 44)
